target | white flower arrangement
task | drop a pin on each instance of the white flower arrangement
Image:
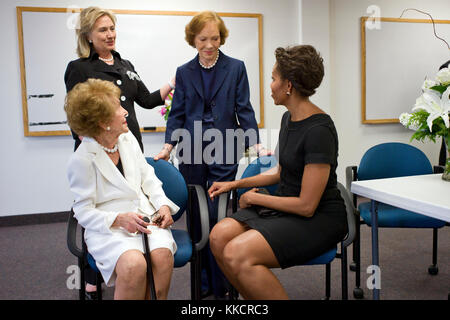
(430, 115)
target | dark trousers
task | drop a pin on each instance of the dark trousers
(204, 175)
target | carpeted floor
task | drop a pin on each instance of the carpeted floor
(34, 265)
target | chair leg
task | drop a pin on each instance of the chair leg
(358, 293)
(356, 244)
(433, 269)
(344, 278)
(99, 286)
(193, 281)
(82, 290)
(195, 276)
(195, 269)
(327, 281)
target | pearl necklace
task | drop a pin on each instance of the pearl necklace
(107, 60)
(116, 146)
(209, 67)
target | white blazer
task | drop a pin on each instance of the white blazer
(102, 192)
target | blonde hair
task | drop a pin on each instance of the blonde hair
(197, 23)
(90, 103)
(87, 19)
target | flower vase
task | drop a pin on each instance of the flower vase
(446, 174)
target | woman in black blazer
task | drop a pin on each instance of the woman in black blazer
(98, 59)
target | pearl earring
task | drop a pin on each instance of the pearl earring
(288, 93)
(108, 128)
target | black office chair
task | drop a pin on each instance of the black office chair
(82, 256)
(263, 164)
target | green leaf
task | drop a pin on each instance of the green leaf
(439, 88)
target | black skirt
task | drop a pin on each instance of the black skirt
(295, 239)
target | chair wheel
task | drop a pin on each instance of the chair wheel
(358, 293)
(353, 266)
(433, 270)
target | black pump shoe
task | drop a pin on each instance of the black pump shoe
(93, 295)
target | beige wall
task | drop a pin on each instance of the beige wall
(33, 169)
(338, 21)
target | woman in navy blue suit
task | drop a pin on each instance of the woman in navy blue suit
(211, 119)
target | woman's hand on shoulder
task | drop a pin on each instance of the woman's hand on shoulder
(218, 188)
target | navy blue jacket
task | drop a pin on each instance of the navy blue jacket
(229, 100)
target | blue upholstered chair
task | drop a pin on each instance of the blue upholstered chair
(175, 188)
(388, 160)
(263, 164)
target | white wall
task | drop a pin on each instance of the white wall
(33, 169)
(333, 27)
(315, 24)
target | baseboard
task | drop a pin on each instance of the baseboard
(38, 218)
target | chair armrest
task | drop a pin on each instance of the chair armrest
(351, 215)
(234, 202)
(350, 175)
(204, 216)
(222, 207)
(72, 236)
(438, 169)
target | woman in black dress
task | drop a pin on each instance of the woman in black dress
(308, 213)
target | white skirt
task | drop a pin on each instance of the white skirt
(107, 248)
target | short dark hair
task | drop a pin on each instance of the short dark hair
(303, 66)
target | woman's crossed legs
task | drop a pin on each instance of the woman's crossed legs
(245, 258)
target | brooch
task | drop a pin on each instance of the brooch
(133, 76)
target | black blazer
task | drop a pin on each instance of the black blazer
(123, 74)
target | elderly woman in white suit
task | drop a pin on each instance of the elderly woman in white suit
(114, 190)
